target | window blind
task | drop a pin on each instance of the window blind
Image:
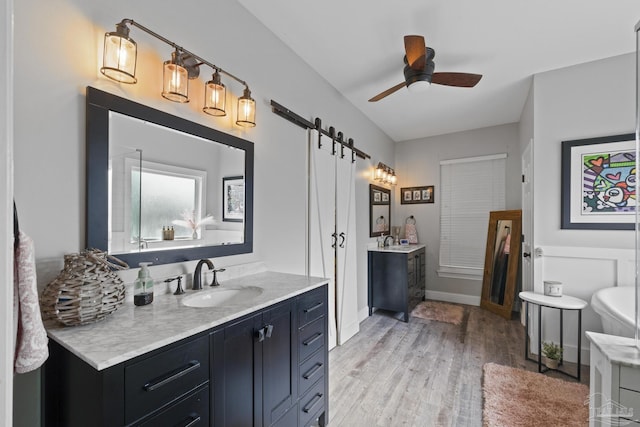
(470, 189)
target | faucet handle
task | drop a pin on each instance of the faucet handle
(179, 290)
(215, 282)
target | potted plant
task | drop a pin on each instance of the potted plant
(552, 354)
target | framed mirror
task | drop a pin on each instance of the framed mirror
(501, 262)
(379, 210)
(156, 185)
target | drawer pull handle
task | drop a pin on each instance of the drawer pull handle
(315, 307)
(313, 339)
(313, 403)
(172, 376)
(194, 419)
(311, 372)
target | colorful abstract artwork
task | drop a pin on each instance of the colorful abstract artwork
(609, 182)
(598, 190)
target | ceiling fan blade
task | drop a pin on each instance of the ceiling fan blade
(456, 79)
(416, 51)
(388, 92)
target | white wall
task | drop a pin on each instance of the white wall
(418, 164)
(584, 101)
(6, 214)
(60, 43)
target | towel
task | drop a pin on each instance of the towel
(31, 340)
(411, 232)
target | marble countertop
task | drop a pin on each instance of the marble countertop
(620, 350)
(132, 331)
(403, 249)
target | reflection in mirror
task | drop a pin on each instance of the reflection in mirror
(163, 180)
(502, 259)
(380, 210)
(155, 184)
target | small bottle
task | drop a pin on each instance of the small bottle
(143, 286)
(164, 233)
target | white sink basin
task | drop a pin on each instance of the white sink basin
(222, 296)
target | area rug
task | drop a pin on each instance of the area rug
(439, 311)
(514, 397)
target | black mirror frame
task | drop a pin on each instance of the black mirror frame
(98, 106)
(372, 188)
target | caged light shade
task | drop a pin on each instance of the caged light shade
(175, 79)
(119, 56)
(214, 96)
(246, 110)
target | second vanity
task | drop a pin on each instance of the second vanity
(397, 277)
(259, 362)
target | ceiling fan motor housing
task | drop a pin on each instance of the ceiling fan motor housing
(411, 76)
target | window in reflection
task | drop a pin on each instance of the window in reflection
(165, 198)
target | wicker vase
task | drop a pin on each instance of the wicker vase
(86, 290)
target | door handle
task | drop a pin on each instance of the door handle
(526, 254)
(334, 239)
(342, 237)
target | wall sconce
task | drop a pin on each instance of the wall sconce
(119, 64)
(385, 174)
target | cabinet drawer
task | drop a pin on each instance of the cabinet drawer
(311, 403)
(311, 370)
(192, 411)
(311, 338)
(312, 305)
(630, 378)
(153, 382)
(631, 401)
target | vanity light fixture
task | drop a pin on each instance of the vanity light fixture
(385, 174)
(215, 95)
(246, 110)
(119, 64)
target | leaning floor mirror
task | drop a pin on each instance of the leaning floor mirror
(502, 260)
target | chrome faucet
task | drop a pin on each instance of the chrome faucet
(197, 284)
(385, 240)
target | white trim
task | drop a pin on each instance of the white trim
(451, 297)
(6, 216)
(363, 313)
(466, 273)
(474, 159)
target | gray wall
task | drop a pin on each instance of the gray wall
(418, 163)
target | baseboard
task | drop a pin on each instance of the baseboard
(451, 297)
(363, 314)
(349, 331)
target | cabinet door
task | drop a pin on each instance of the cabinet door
(237, 397)
(278, 362)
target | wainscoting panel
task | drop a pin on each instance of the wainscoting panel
(582, 272)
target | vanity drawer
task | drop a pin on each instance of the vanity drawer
(311, 370)
(630, 400)
(312, 305)
(311, 403)
(311, 338)
(192, 411)
(153, 382)
(630, 378)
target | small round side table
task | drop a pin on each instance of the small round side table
(562, 303)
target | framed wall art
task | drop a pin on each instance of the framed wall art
(599, 183)
(414, 195)
(233, 198)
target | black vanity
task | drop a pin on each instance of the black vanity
(397, 278)
(268, 367)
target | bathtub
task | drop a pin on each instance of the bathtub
(616, 307)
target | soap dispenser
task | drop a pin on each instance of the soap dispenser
(143, 286)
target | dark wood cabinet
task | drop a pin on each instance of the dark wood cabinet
(396, 280)
(268, 368)
(255, 368)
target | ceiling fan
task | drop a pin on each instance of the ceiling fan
(418, 70)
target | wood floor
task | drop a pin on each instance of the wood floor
(422, 373)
